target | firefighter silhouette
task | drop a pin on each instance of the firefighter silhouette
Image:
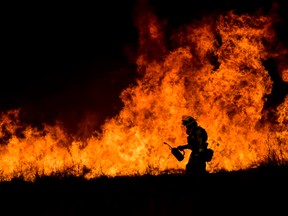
(197, 142)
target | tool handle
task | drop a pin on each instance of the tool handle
(168, 145)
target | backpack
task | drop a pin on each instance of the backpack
(209, 154)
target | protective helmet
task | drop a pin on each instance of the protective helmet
(189, 121)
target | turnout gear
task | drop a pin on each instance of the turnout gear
(197, 143)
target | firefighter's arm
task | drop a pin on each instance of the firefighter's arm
(201, 142)
(202, 146)
(182, 147)
(202, 150)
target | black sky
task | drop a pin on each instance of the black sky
(52, 46)
(67, 60)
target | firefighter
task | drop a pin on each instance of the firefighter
(197, 142)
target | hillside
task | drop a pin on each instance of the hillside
(261, 191)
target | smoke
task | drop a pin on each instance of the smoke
(131, 73)
(81, 60)
(67, 63)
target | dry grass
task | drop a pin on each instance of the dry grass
(255, 191)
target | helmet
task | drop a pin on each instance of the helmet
(189, 121)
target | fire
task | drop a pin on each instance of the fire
(227, 96)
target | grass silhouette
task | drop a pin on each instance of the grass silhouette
(259, 191)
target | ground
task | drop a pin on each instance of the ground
(259, 191)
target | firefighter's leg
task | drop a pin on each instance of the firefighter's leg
(190, 166)
(201, 168)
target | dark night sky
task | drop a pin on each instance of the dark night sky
(66, 60)
(62, 60)
(51, 47)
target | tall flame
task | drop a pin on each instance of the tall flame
(226, 96)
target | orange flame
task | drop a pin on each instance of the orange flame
(226, 98)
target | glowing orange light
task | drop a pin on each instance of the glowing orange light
(227, 101)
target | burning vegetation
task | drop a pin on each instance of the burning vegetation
(214, 69)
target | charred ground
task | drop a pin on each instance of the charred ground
(259, 191)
